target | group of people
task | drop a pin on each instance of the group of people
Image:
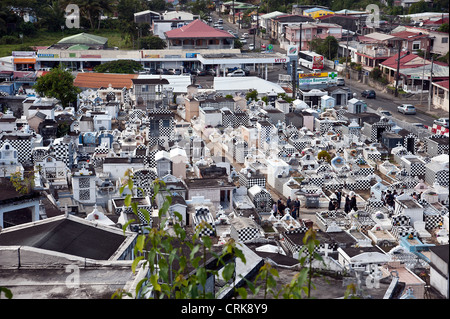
(291, 207)
(336, 200)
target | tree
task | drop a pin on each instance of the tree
(58, 84)
(443, 28)
(152, 42)
(119, 66)
(327, 47)
(418, 7)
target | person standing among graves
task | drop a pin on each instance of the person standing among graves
(338, 198)
(353, 201)
(274, 209)
(288, 202)
(296, 207)
(347, 207)
(281, 208)
(332, 205)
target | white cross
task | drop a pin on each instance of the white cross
(326, 250)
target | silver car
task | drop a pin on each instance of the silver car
(406, 109)
(442, 122)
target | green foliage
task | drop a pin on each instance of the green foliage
(58, 83)
(252, 95)
(179, 265)
(7, 292)
(238, 44)
(23, 185)
(119, 66)
(324, 155)
(327, 47)
(443, 28)
(152, 42)
(418, 7)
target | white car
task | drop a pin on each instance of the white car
(251, 47)
(245, 35)
(237, 72)
(406, 109)
(442, 122)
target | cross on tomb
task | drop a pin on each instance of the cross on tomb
(326, 250)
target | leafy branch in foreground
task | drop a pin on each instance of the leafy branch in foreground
(180, 265)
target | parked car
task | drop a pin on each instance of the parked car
(251, 46)
(211, 72)
(243, 41)
(340, 82)
(443, 121)
(369, 94)
(218, 26)
(162, 71)
(175, 71)
(198, 72)
(238, 72)
(407, 109)
(220, 21)
(245, 35)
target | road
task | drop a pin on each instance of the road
(383, 101)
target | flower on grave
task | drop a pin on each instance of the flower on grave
(96, 216)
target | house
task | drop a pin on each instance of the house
(147, 92)
(310, 31)
(160, 27)
(146, 16)
(413, 41)
(199, 35)
(440, 94)
(277, 26)
(439, 276)
(317, 12)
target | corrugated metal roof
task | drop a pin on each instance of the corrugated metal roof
(84, 38)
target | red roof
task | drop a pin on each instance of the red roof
(444, 84)
(197, 29)
(407, 61)
(408, 35)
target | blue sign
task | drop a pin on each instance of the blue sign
(191, 55)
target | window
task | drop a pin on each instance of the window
(444, 40)
(144, 88)
(416, 45)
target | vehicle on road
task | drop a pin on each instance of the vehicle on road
(198, 72)
(238, 72)
(243, 40)
(220, 21)
(310, 60)
(406, 109)
(211, 72)
(443, 121)
(369, 94)
(245, 35)
(175, 71)
(340, 82)
(162, 71)
(218, 26)
(385, 113)
(251, 46)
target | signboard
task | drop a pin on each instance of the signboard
(47, 55)
(292, 50)
(151, 56)
(313, 80)
(318, 62)
(191, 55)
(91, 56)
(331, 75)
(313, 75)
(24, 54)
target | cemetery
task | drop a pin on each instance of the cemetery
(255, 171)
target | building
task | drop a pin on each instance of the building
(199, 35)
(440, 95)
(317, 12)
(310, 31)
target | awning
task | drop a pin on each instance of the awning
(24, 61)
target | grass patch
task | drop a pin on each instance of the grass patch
(46, 38)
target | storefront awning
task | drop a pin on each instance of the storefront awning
(24, 61)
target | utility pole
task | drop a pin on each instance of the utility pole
(430, 85)
(423, 74)
(397, 75)
(234, 19)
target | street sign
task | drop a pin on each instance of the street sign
(336, 62)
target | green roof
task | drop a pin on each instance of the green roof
(84, 38)
(79, 47)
